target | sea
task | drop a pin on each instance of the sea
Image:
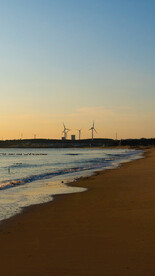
(34, 176)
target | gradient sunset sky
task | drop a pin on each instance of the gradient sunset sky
(75, 61)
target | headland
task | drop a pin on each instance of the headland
(57, 143)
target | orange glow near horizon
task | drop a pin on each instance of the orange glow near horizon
(77, 62)
(126, 123)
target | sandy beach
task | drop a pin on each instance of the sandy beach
(108, 230)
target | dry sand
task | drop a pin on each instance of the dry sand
(108, 230)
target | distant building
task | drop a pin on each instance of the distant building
(72, 137)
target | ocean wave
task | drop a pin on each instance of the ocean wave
(26, 180)
(79, 166)
(73, 154)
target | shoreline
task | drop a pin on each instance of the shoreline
(75, 184)
(109, 230)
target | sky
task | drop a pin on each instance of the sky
(77, 61)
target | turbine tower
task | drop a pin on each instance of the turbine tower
(65, 131)
(79, 130)
(93, 129)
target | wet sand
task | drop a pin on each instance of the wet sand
(108, 230)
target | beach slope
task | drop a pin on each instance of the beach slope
(108, 230)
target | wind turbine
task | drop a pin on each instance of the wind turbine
(79, 130)
(93, 129)
(65, 131)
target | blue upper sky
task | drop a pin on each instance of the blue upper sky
(58, 57)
